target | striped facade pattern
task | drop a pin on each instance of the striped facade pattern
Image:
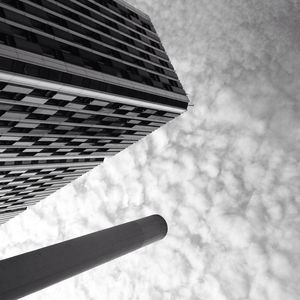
(80, 80)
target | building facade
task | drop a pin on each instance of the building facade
(80, 80)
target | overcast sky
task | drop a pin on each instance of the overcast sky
(225, 175)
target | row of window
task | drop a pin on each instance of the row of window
(33, 141)
(58, 14)
(50, 161)
(62, 140)
(21, 175)
(63, 77)
(27, 41)
(36, 43)
(66, 129)
(30, 99)
(80, 6)
(114, 18)
(10, 211)
(20, 186)
(29, 151)
(125, 12)
(113, 38)
(26, 112)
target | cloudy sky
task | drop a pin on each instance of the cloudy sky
(225, 175)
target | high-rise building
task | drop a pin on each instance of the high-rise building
(79, 80)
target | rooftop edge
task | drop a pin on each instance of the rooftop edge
(131, 7)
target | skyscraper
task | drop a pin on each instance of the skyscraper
(79, 80)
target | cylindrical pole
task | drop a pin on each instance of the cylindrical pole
(29, 272)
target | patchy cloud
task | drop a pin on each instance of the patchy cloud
(225, 174)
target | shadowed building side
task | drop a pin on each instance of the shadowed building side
(29, 272)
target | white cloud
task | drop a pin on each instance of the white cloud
(225, 175)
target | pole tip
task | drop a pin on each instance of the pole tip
(163, 224)
(154, 228)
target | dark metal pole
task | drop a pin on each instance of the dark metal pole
(29, 272)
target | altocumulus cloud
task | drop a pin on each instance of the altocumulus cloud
(225, 174)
